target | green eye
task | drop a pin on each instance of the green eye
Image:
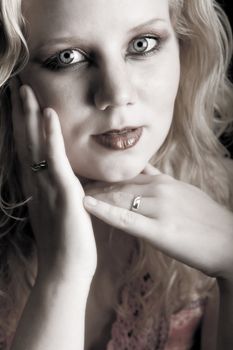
(144, 45)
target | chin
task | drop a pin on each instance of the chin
(112, 174)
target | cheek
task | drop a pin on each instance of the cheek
(59, 92)
(158, 94)
(67, 98)
(160, 84)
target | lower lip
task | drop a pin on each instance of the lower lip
(119, 141)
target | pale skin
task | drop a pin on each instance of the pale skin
(117, 89)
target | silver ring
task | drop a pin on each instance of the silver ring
(136, 203)
(39, 166)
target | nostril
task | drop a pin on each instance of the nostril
(114, 96)
(114, 87)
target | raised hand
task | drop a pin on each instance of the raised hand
(61, 225)
(177, 218)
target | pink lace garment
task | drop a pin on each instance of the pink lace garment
(130, 335)
(177, 335)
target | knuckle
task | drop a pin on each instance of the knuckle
(109, 188)
(117, 197)
(111, 211)
(127, 218)
(50, 156)
(164, 207)
(153, 190)
(169, 227)
(166, 190)
(161, 190)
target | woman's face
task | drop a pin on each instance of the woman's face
(105, 65)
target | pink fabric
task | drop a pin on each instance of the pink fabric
(130, 335)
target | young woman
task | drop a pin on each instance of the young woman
(116, 194)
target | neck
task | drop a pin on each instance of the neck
(113, 247)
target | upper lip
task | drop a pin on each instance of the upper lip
(119, 130)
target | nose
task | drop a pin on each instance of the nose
(115, 87)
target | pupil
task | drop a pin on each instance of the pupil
(141, 45)
(66, 57)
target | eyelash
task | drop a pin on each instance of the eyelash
(54, 64)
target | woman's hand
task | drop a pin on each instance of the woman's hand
(177, 218)
(61, 225)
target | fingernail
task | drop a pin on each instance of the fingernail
(90, 201)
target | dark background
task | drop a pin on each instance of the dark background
(228, 142)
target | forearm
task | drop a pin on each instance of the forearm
(225, 322)
(54, 317)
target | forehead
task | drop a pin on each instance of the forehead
(88, 17)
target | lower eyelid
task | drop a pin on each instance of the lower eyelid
(54, 64)
(146, 53)
(58, 67)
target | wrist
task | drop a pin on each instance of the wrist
(60, 264)
(62, 269)
(48, 285)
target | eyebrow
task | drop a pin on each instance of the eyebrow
(150, 22)
(74, 39)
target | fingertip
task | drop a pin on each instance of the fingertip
(29, 99)
(24, 91)
(48, 113)
(151, 170)
(51, 118)
(90, 201)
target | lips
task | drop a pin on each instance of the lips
(119, 139)
(119, 132)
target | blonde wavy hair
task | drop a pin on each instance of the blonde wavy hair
(192, 153)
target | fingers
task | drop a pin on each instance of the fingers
(27, 123)
(59, 165)
(148, 206)
(122, 218)
(134, 224)
(34, 124)
(38, 137)
(106, 192)
(19, 131)
(17, 118)
(146, 186)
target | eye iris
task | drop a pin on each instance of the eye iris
(141, 45)
(66, 57)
